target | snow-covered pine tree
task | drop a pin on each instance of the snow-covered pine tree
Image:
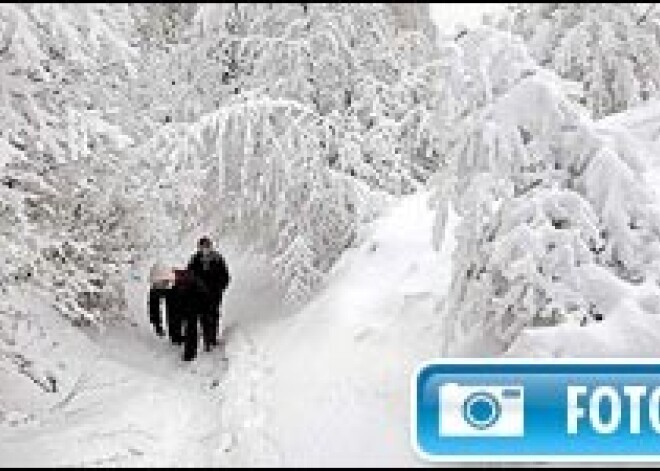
(612, 49)
(554, 209)
(64, 73)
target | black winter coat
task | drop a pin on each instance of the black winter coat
(214, 274)
(189, 295)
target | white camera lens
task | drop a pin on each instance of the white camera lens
(481, 410)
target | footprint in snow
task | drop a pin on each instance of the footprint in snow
(363, 333)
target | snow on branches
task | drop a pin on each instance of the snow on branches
(609, 48)
(279, 117)
(63, 210)
(554, 210)
(260, 170)
(347, 62)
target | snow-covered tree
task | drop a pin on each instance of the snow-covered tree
(553, 207)
(610, 48)
(64, 74)
(130, 126)
(279, 117)
(341, 60)
(257, 171)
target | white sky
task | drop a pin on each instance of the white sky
(448, 15)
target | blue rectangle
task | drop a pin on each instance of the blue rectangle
(545, 407)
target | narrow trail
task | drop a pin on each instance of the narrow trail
(328, 385)
(138, 404)
(340, 385)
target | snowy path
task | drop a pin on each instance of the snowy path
(340, 386)
(136, 405)
(328, 385)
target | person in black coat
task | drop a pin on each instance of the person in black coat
(193, 299)
(187, 300)
(210, 267)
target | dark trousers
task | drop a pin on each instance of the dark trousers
(205, 316)
(191, 335)
(212, 321)
(173, 310)
(155, 297)
(174, 318)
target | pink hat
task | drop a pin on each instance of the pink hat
(160, 273)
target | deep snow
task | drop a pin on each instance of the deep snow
(325, 385)
(328, 385)
(342, 367)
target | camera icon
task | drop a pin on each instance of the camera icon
(482, 411)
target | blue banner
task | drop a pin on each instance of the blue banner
(559, 410)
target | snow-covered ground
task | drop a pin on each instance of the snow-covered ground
(325, 385)
(328, 385)
(342, 367)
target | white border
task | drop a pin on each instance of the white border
(522, 458)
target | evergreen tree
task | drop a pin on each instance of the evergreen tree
(609, 48)
(554, 208)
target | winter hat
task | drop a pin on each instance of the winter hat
(160, 273)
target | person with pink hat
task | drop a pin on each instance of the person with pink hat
(187, 299)
(162, 280)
